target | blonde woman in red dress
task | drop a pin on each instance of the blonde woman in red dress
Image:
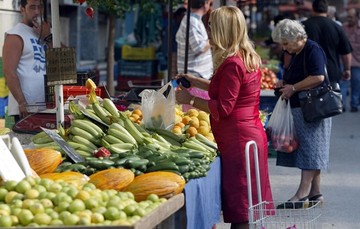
(234, 92)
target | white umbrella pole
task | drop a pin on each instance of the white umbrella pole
(55, 21)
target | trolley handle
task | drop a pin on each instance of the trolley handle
(248, 171)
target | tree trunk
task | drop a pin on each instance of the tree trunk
(110, 56)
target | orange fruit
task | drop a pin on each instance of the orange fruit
(191, 131)
(177, 130)
(186, 120)
(180, 124)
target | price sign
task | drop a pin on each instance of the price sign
(63, 145)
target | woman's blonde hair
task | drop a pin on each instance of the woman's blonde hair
(229, 37)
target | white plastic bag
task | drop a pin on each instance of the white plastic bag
(158, 107)
(281, 128)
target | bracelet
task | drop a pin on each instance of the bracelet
(293, 88)
(48, 38)
(192, 101)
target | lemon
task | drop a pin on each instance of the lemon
(178, 118)
(204, 123)
(204, 130)
(194, 122)
(192, 112)
(203, 116)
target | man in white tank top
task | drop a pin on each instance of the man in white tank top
(24, 59)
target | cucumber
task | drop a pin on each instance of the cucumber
(156, 158)
(163, 166)
(183, 169)
(120, 162)
(101, 164)
(182, 161)
(77, 168)
(146, 154)
(136, 163)
(138, 172)
(63, 166)
(182, 150)
(196, 154)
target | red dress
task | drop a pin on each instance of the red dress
(234, 115)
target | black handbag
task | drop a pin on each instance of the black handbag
(321, 102)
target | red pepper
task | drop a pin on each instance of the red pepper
(102, 152)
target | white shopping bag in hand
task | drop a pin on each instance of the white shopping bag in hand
(158, 107)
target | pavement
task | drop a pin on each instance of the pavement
(340, 184)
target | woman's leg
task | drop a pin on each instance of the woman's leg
(315, 184)
(306, 182)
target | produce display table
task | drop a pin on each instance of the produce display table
(202, 201)
(150, 221)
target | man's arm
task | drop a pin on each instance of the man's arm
(346, 60)
(12, 51)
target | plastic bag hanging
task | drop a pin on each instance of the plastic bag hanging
(281, 128)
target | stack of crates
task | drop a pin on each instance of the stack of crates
(72, 89)
(137, 64)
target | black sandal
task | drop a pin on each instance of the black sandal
(316, 199)
(301, 203)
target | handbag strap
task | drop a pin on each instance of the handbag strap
(325, 75)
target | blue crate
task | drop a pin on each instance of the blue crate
(3, 104)
(267, 103)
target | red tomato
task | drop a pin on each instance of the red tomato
(294, 144)
(90, 12)
(290, 149)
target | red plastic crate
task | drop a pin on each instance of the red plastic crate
(78, 90)
(67, 92)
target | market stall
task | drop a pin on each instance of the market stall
(112, 152)
(116, 153)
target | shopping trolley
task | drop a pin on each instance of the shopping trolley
(264, 215)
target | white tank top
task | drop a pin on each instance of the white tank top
(31, 70)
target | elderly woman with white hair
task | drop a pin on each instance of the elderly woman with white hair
(306, 70)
